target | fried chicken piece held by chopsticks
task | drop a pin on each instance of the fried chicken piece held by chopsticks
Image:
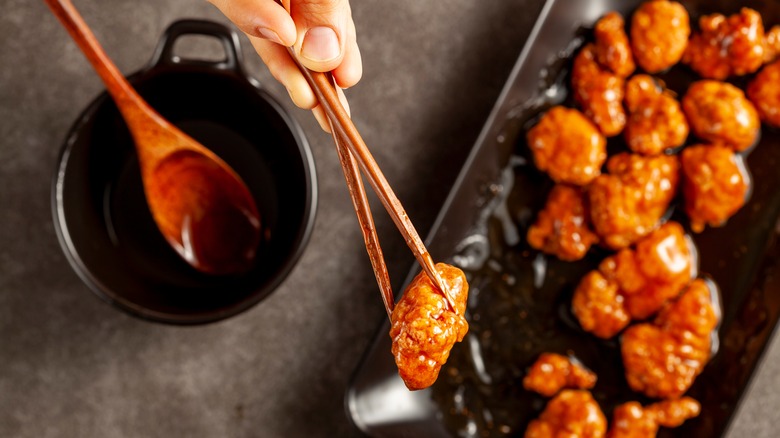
(424, 327)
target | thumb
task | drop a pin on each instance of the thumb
(321, 26)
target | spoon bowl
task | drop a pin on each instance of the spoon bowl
(101, 216)
(209, 219)
(198, 202)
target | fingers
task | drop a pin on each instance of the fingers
(285, 71)
(349, 72)
(261, 19)
(323, 32)
(321, 116)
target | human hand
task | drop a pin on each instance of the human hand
(321, 32)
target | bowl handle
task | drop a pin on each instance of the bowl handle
(164, 56)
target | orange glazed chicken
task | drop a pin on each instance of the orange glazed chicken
(599, 92)
(553, 372)
(655, 271)
(635, 283)
(727, 46)
(655, 120)
(631, 420)
(561, 229)
(572, 413)
(628, 203)
(659, 34)
(567, 146)
(613, 51)
(772, 44)
(663, 358)
(720, 113)
(424, 328)
(764, 92)
(715, 184)
(599, 306)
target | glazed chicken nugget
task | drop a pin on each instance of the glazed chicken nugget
(657, 270)
(663, 358)
(720, 113)
(655, 120)
(424, 328)
(598, 92)
(567, 146)
(553, 372)
(562, 227)
(772, 45)
(693, 316)
(599, 306)
(635, 283)
(727, 46)
(659, 34)
(764, 92)
(612, 48)
(629, 202)
(715, 184)
(572, 413)
(631, 420)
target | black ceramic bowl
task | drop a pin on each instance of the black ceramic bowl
(100, 212)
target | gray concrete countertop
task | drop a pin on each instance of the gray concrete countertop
(73, 366)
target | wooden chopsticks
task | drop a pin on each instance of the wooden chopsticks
(346, 134)
(363, 210)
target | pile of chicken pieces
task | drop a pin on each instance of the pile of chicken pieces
(652, 275)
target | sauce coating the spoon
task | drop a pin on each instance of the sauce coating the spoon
(205, 212)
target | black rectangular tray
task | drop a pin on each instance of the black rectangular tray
(482, 227)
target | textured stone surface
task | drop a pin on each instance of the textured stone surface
(72, 366)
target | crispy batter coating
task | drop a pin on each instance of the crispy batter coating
(567, 146)
(612, 48)
(663, 358)
(655, 271)
(673, 413)
(562, 227)
(727, 46)
(424, 328)
(659, 34)
(598, 92)
(772, 44)
(715, 184)
(634, 283)
(764, 92)
(631, 420)
(692, 317)
(572, 413)
(599, 307)
(720, 113)
(552, 372)
(655, 120)
(628, 203)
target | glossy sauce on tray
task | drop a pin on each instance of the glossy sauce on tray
(520, 300)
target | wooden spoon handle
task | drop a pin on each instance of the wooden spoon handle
(115, 82)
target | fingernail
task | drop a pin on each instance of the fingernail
(320, 44)
(269, 34)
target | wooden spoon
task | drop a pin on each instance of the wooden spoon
(199, 203)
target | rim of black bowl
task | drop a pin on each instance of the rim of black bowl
(103, 291)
